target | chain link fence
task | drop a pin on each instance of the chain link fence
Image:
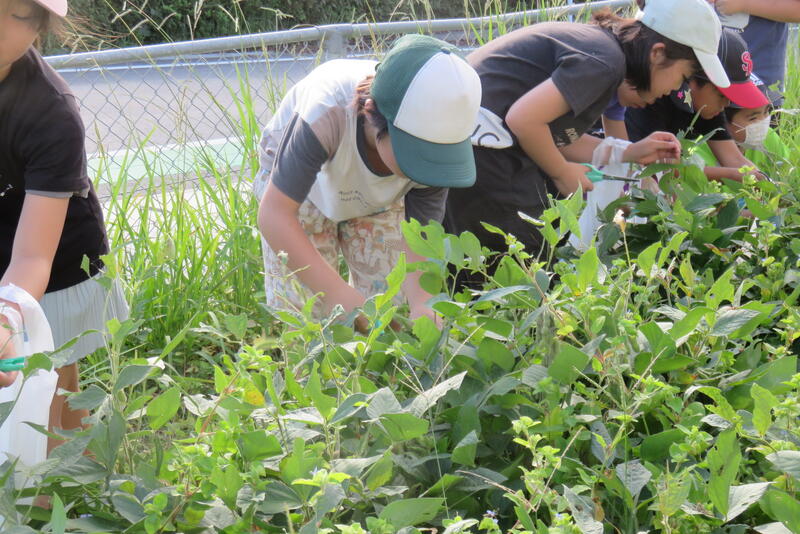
(176, 109)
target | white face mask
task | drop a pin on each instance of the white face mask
(755, 134)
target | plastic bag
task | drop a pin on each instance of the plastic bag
(604, 193)
(33, 395)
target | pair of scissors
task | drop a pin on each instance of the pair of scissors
(596, 175)
(12, 364)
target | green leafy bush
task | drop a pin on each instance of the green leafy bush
(649, 383)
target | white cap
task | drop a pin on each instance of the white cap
(59, 7)
(692, 23)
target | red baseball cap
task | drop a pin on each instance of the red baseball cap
(57, 7)
(738, 64)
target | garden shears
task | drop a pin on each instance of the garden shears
(596, 175)
(12, 364)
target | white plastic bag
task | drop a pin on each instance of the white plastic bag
(604, 193)
(34, 396)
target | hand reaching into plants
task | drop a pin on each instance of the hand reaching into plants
(570, 176)
(658, 147)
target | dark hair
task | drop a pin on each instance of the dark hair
(636, 41)
(375, 117)
(700, 80)
(730, 112)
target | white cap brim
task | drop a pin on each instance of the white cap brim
(712, 66)
(59, 7)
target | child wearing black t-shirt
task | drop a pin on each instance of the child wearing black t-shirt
(677, 111)
(545, 85)
(50, 218)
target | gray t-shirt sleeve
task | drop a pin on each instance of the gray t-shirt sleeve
(299, 158)
(426, 204)
(572, 73)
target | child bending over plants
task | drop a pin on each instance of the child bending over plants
(546, 85)
(354, 149)
(50, 218)
(677, 111)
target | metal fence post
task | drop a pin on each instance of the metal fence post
(334, 40)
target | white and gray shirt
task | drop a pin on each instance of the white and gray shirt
(313, 148)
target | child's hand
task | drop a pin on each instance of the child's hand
(662, 147)
(572, 175)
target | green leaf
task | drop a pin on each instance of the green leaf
(228, 482)
(350, 407)
(236, 324)
(257, 445)
(383, 401)
(786, 461)
(88, 399)
(128, 507)
(500, 294)
(492, 351)
(634, 476)
(647, 259)
(427, 241)
(381, 472)
(164, 407)
(742, 497)
(58, 516)
(587, 268)
(784, 508)
(672, 491)
(705, 201)
(533, 375)
(410, 512)
(568, 364)
(464, 452)
(403, 426)
(582, 509)
(427, 399)
(730, 320)
(324, 403)
(655, 448)
(723, 463)
(688, 323)
(279, 498)
(132, 375)
(721, 291)
(764, 403)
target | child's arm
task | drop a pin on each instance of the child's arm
(529, 119)
(779, 10)
(38, 234)
(728, 155)
(278, 222)
(615, 128)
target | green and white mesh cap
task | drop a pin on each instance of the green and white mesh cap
(430, 97)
